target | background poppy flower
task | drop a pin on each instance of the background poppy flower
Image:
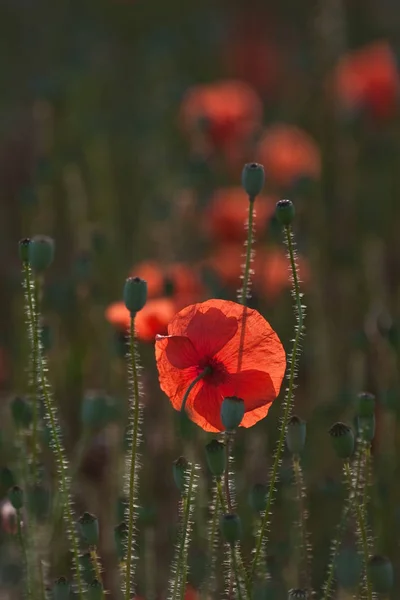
(208, 335)
(175, 279)
(273, 274)
(152, 320)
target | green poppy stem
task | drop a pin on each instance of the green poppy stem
(199, 377)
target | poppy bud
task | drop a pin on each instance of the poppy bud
(298, 594)
(232, 412)
(285, 212)
(380, 571)
(135, 294)
(21, 412)
(365, 404)
(89, 527)
(258, 496)
(231, 528)
(253, 179)
(46, 336)
(85, 561)
(61, 589)
(6, 478)
(41, 252)
(16, 497)
(366, 427)
(23, 249)
(95, 590)
(296, 435)
(216, 457)
(342, 439)
(179, 471)
(120, 538)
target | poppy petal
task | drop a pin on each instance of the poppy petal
(211, 330)
(205, 411)
(253, 416)
(180, 351)
(254, 387)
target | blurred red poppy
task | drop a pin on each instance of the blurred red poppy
(288, 154)
(208, 335)
(227, 112)
(368, 78)
(227, 212)
(226, 262)
(152, 320)
(273, 275)
(177, 279)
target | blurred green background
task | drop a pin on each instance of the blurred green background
(108, 144)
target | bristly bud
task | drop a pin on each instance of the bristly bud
(231, 528)
(16, 497)
(297, 594)
(381, 574)
(95, 590)
(21, 412)
(180, 471)
(89, 527)
(296, 435)
(365, 404)
(285, 212)
(41, 252)
(61, 589)
(120, 537)
(232, 412)
(253, 179)
(366, 427)
(342, 439)
(135, 294)
(258, 497)
(216, 457)
(23, 249)
(7, 479)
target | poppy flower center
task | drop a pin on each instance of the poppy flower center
(216, 371)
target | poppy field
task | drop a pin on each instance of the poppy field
(199, 342)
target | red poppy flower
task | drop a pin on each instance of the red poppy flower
(369, 78)
(226, 262)
(273, 275)
(231, 111)
(227, 212)
(208, 335)
(289, 153)
(152, 320)
(182, 280)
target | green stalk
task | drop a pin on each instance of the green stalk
(211, 546)
(199, 377)
(96, 566)
(304, 547)
(246, 273)
(24, 553)
(235, 570)
(265, 521)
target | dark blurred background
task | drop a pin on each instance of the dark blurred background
(124, 125)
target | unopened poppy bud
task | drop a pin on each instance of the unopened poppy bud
(179, 471)
(89, 527)
(216, 457)
(296, 435)
(253, 179)
(366, 427)
(16, 497)
(365, 404)
(120, 538)
(232, 412)
(7, 479)
(61, 589)
(41, 252)
(297, 594)
(285, 212)
(381, 575)
(258, 496)
(21, 412)
(135, 294)
(231, 528)
(342, 439)
(85, 561)
(23, 249)
(95, 590)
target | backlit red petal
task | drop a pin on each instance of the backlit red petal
(253, 386)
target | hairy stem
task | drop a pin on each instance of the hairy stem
(96, 566)
(243, 294)
(199, 377)
(304, 546)
(211, 545)
(235, 570)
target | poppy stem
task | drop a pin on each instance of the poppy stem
(199, 377)
(243, 295)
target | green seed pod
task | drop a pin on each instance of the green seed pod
(61, 589)
(365, 404)
(7, 479)
(21, 412)
(285, 212)
(216, 457)
(87, 567)
(258, 497)
(232, 412)
(89, 527)
(135, 294)
(231, 528)
(296, 435)
(180, 471)
(23, 249)
(253, 179)
(381, 574)
(297, 594)
(342, 437)
(120, 537)
(41, 252)
(366, 427)
(16, 497)
(95, 590)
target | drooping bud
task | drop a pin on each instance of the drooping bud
(232, 412)
(23, 249)
(180, 471)
(231, 528)
(258, 497)
(95, 590)
(135, 294)
(120, 537)
(365, 404)
(342, 437)
(296, 435)
(89, 527)
(16, 497)
(381, 574)
(285, 212)
(21, 411)
(253, 179)
(41, 252)
(216, 457)
(61, 589)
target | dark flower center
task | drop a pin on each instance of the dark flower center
(217, 372)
